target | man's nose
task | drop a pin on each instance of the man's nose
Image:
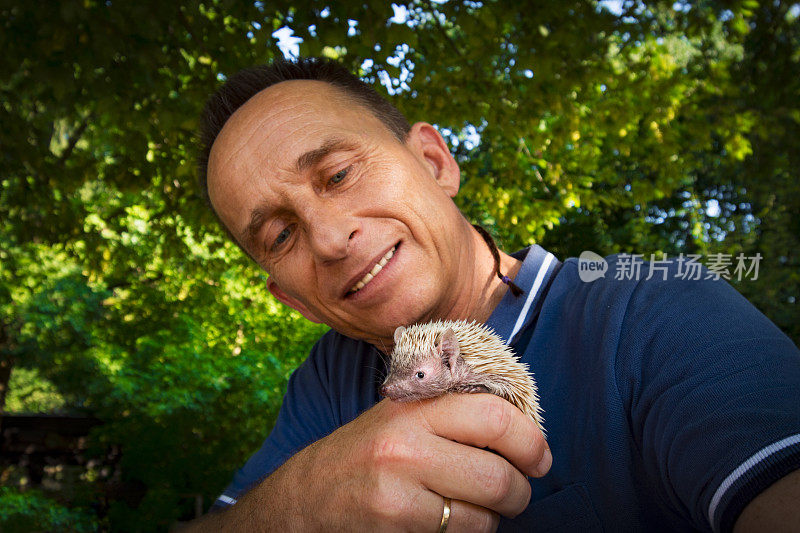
(332, 236)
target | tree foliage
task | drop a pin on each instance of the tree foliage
(32, 511)
(658, 127)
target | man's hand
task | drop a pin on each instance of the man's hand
(391, 467)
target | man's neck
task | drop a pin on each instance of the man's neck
(477, 291)
(486, 291)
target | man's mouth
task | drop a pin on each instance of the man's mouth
(372, 273)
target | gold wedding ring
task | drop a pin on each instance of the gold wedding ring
(445, 516)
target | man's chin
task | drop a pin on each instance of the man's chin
(363, 324)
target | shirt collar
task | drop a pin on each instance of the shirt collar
(514, 312)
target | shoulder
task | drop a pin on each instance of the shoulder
(696, 314)
(659, 298)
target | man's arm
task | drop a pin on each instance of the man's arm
(776, 509)
(391, 467)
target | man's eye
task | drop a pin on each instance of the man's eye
(339, 176)
(283, 236)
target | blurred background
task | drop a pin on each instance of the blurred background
(142, 359)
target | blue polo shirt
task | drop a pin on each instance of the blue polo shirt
(669, 404)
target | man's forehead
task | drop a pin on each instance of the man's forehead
(293, 96)
(275, 108)
(274, 126)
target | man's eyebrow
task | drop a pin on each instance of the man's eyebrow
(257, 217)
(312, 157)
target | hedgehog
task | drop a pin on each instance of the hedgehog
(435, 358)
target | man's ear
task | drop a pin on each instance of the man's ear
(428, 143)
(292, 302)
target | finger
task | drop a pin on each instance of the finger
(464, 516)
(474, 475)
(486, 420)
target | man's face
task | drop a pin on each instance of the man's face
(356, 229)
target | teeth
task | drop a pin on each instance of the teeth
(374, 272)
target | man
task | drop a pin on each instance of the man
(669, 404)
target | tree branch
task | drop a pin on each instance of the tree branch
(443, 30)
(73, 140)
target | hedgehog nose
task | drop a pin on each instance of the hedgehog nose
(383, 390)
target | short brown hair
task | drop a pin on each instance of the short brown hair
(248, 82)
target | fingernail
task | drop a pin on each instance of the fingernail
(544, 465)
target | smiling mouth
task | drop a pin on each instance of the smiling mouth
(372, 273)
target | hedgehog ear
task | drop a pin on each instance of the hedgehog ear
(447, 347)
(398, 333)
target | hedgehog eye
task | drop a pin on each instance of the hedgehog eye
(420, 374)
